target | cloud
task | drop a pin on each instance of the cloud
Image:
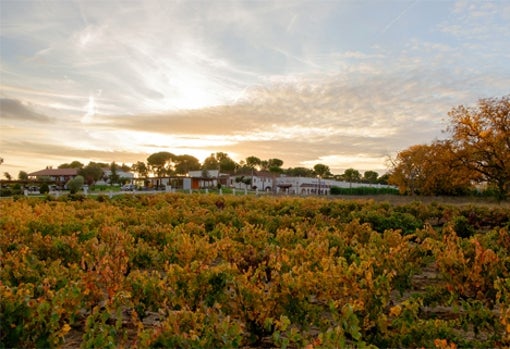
(49, 153)
(310, 119)
(366, 106)
(479, 21)
(14, 109)
(300, 81)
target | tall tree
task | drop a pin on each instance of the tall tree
(407, 169)
(227, 164)
(124, 167)
(383, 179)
(92, 172)
(299, 172)
(8, 176)
(160, 163)
(211, 163)
(370, 177)
(322, 170)
(253, 162)
(351, 175)
(140, 168)
(275, 165)
(75, 164)
(114, 175)
(482, 137)
(430, 170)
(220, 161)
(186, 163)
(22, 176)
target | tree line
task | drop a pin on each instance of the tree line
(476, 153)
(164, 164)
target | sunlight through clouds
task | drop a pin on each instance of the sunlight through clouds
(344, 83)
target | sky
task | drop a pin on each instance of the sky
(341, 82)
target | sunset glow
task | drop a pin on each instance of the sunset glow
(345, 83)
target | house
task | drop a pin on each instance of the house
(203, 179)
(261, 180)
(304, 185)
(59, 176)
(316, 185)
(123, 176)
(193, 180)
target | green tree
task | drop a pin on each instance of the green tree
(481, 135)
(321, 170)
(160, 163)
(124, 167)
(351, 175)
(8, 176)
(220, 161)
(211, 163)
(227, 164)
(22, 176)
(74, 164)
(114, 176)
(186, 163)
(75, 184)
(383, 179)
(141, 168)
(253, 162)
(299, 172)
(275, 165)
(370, 177)
(92, 172)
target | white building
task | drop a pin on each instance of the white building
(124, 177)
(263, 181)
(316, 186)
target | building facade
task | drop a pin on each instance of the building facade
(58, 176)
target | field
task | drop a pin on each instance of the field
(210, 271)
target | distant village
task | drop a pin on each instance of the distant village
(251, 176)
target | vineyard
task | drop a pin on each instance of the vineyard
(210, 271)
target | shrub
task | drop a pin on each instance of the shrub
(363, 191)
(75, 184)
(462, 227)
(44, 189)
(5, 192)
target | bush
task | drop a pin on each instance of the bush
(44, 189)
(5, 191)
(462, 227)
(75, 184)
(362, 191)
(16, 189)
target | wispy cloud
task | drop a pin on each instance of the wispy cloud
(334, 82)
(51, 153)
(16, 110)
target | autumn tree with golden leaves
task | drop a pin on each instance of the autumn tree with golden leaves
(479, 151)
(481, 136)
(430, 169)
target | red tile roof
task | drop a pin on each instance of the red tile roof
(55, 172)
